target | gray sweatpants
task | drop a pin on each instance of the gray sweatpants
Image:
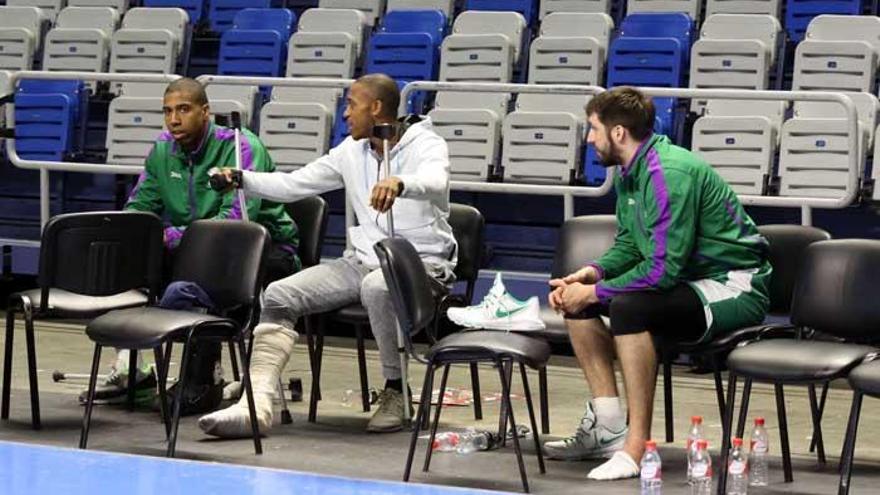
(336, 284)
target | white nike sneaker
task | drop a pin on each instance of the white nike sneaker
(500, 311)
(590, 441)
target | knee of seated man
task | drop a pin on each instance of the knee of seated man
(373, 286)
(630, 308)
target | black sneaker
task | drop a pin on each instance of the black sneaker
(197, 399)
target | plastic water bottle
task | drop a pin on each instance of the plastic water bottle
(651, 470)
(695, 433)
(473, 440)
(759, 446)
(702, 470)
(446, 442)
(737, 470)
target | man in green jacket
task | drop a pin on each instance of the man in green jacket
(687, 264)
(174, 185)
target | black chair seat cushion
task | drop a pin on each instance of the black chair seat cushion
(145, 328)
(554, 331)
(787, 360)
(488, 344)
(357, 314)
(64, 304)
(866, 378)
(730, 340)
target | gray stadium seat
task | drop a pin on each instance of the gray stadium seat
(739, 140)
(21, 35)
(5, 90)
(328, 43)
(768, 7)
(471, 125)
(689, 7)
(133, 125)
(228, 98)
(295, 126)
(735, 51)
(50, 7)
(814, 149)
(838, 53)
(543, 138)
(373, 9)
(151, 40)
(120, 5)
(446, 6)
(584, 6)
(570, 49)
(80, 40)
(483, 47)
(875, 173)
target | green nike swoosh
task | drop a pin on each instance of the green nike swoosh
(603, 441)
(500, 313)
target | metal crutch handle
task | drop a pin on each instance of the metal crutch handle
(236, 126)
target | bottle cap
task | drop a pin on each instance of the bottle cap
(759, 421)
(702, 443)
(696, 420)
(651, 445)
(737, 442)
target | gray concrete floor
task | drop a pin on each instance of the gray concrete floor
(337, 444)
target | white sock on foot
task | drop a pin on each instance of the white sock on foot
(272, 346)
(609, 413)
(620, 466)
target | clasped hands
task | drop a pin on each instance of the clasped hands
(574, 292)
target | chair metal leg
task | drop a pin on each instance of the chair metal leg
(32, 366)
(544, 401)
(744, 408)
(424, 410)
(475, 387)
(132, 378)
(849, 444)
(7, 362)
(286, 418)
(817, 424)
(315, 394)
(719, 386)
(667, 398)
(234, 362)
(505, 400)
(822, 399)
(535, 434)
(178, 400)
(726, 426)
(163, 397)
(308, 324)
(434, 426)
(783, 433)
(249, 393)
(90, 398)
(362, 367)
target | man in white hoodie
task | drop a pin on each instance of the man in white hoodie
(418, 193)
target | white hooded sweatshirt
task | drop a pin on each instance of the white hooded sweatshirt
(420, 159)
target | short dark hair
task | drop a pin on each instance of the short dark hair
(624, 106)
(383, 88)
(190, 87)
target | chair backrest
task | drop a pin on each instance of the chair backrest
(101, 253)
(836, 288)
(468, 226)
(195, 9)
(310, 215)
(407, 282)
(788, 245)
(225, 258)
(582, 240)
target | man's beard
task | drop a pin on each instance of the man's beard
(611, 159)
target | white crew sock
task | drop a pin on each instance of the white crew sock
(609, 413)
(272, 346)
(620, 466)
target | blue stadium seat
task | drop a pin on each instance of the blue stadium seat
(221, 13)
(528, 8)
(256, 45)
(799, 13)
(195, 9)
(431, 22)
(49, 117)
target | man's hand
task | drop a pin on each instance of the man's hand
(384, 193)
(586, 275)
(577, 296)
(224, 180)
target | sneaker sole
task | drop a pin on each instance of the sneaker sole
(519, 326)
(390, 429)
(603, 453)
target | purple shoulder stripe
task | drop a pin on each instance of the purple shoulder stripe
(223, 133)
(165, 137)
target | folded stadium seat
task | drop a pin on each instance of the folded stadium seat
(221, 13)
(483, 47)
(228, 98)
(767, 7)
(6, 89)
(49, 118)
(800, 13)
(80, 40)
(256, 45)
(528, 8)
(151, 40)
(445, 6)
(571, 48)
(548, 7)
(296, 125)
(839, 52)
(197, 10)
(328, 43)
(50, 7)
(135, 121)
(690, 7)
(373, 10)
(875, 171)
(740, 139)
(735, 51)
(21, 36)
(120, 5)
(814, 151)
(407, 48)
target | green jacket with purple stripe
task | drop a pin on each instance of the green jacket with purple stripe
(174, 185)
(678, 221)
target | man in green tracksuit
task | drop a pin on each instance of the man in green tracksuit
(174, 185)
(687, 264)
